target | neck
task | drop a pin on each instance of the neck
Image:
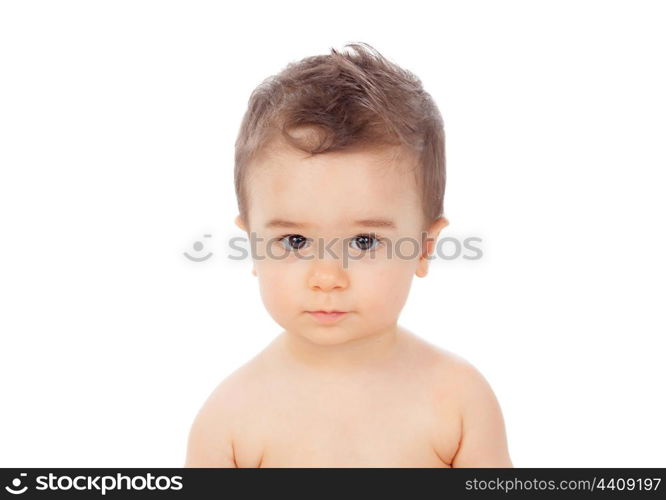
(362, 354)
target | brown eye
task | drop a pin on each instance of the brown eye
(365, 242)
(293, 241)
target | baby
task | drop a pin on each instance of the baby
(340, 180)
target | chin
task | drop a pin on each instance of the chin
(327, 335)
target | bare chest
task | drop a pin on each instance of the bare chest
(378, 427)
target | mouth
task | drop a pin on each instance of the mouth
(327, 317)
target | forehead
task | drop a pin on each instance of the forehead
(333, 189)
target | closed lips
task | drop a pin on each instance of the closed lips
(327, 317)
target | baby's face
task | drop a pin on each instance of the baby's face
(328, 226)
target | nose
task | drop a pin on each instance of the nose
(327, 274)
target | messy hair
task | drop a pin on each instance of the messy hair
(351, 100)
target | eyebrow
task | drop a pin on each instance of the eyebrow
(370, 223)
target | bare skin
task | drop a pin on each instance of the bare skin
(361, 392)
(413, 405)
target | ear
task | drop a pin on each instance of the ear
(241, 224)
(429, 245)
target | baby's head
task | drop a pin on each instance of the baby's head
(340, 178)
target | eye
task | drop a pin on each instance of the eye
(365, 242)
(293, 241)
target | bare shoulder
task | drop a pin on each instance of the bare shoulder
(447, 368)
(463, 393)
(213, 437)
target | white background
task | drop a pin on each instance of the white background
(117, 125)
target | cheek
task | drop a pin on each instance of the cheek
(278, 288)
(383, 289)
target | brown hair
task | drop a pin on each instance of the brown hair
(352, 100)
